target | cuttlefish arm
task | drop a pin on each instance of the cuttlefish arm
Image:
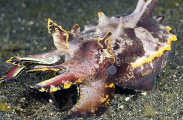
(55, 68)
(95, 97)
(21, 63)
(50, 57)
(95, 94)
(62, 81)
(60, 39)
(13, 73)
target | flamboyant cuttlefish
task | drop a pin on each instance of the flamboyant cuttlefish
(125, 50)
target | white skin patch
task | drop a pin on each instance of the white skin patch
(52, 86)
(121, 44)
(64, 34)
(151, 65)
(66, 82)
(96, 65)
(104, 55)
(101, 58)
(142, 67)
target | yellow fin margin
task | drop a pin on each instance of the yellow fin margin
(173, 38)
(160, 51)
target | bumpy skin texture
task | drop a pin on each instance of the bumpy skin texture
(126, 51)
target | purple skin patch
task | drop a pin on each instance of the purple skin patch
(132, 49)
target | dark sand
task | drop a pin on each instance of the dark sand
(23, 31)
